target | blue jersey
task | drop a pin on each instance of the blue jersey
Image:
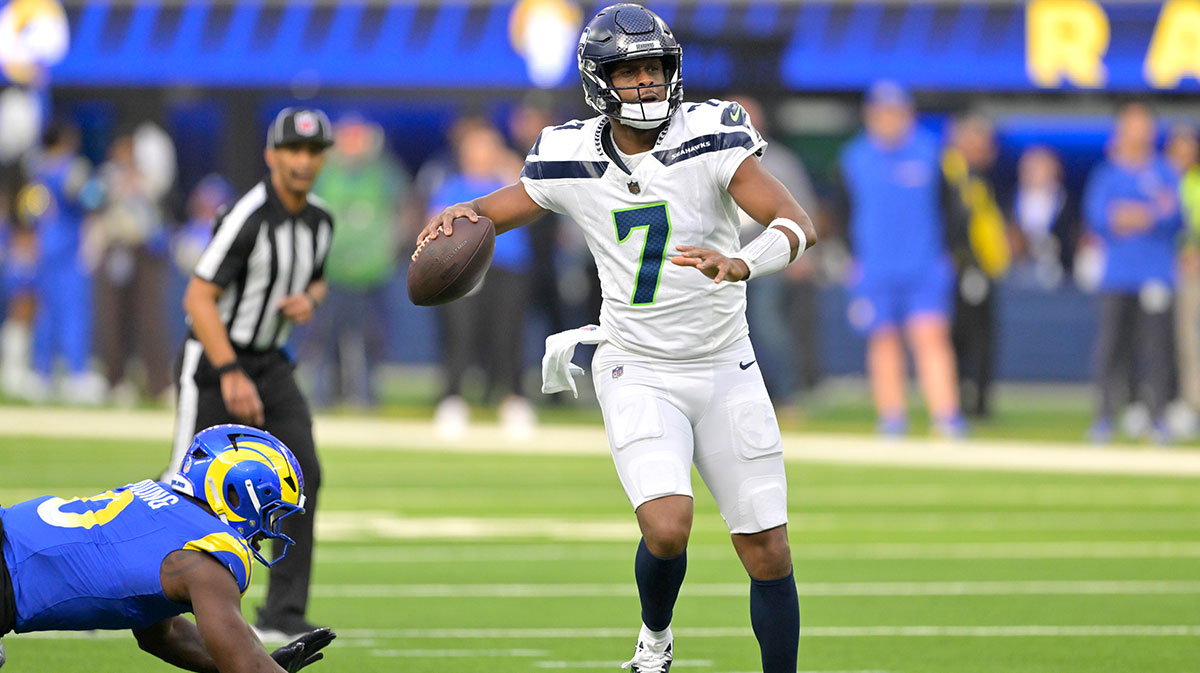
(896, 222)
(1133, 259)
(56, 207)
(514, 251)
(93, 563)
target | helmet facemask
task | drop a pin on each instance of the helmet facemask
(249, 479)
(622, 33)
(607, 98)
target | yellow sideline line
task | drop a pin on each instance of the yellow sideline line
(370, 433)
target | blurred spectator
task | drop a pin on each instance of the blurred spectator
(130, 249)
(526, 122)
(1044, 214)
(1132, 205)
(1181, 152)
(187, 242)
(491, 320)
(54, 201)
(18, 276)
(782, 308)
(979, 247)
(366, 190)
(903, 275)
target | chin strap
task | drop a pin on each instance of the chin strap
(644, 115)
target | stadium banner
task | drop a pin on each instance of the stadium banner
(767, 45)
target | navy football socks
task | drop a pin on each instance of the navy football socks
(775, 617)
(658, 582)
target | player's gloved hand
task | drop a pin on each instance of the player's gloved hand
(303, 650)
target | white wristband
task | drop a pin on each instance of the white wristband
(795, 229)
(771, 250)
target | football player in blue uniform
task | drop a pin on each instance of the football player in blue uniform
(139, 556)
(655, 183)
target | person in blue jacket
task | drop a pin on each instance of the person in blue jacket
(56, 202)
(139, 556)
(1131, 205)
(903, 282)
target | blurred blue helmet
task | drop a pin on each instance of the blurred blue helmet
(249, 479)
(626, 32)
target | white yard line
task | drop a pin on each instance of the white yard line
(1013, 631)
(342, 433)
(883, 551)
(613, 663)
(739, 589)
(458, 653)
(363, 525)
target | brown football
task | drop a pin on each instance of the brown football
(448, 267)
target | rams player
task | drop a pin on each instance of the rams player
(139, 556)
(653, 179)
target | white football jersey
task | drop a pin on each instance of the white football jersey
(677, 195)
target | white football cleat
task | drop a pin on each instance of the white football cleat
(451, 417)
(651, 655)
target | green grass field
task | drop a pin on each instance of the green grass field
(452, 563)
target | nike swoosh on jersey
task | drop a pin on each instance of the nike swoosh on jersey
(746, 365)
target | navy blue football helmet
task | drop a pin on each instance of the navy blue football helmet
(626, 32)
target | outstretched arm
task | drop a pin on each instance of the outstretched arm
(508, 208)
(177, 642)
(220, 641)
(763, 198)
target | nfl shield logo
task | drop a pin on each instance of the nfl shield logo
(634, 187)
(306, 124)
(618, 371)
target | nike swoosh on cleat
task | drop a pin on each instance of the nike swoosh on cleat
(746, 365)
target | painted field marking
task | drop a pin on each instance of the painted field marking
(1042, 631)
(713, 590)
(677, 663)
(341, 433)
(334, 553)
(459, 653)
(346, 637)
(350, 526)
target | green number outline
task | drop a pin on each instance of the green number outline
(642, 257)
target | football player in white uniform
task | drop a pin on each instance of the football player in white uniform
(650, 180)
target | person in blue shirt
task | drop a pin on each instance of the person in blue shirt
(139, 556)
(1131, 204)
(904, 277)
(55, 201)
(491, 320)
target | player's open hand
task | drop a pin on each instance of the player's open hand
(304, 650)
(443, 222)
(711, 263)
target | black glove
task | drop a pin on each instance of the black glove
(303, 650)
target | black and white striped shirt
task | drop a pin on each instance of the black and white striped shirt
(259, 254)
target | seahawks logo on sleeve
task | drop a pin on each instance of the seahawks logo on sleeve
(734, 115)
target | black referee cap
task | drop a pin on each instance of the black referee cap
(296, 126)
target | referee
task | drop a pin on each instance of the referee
(261, 273)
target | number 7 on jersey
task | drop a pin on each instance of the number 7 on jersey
(657, 221)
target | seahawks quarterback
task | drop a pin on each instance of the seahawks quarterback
(653, 180)
(139, 556)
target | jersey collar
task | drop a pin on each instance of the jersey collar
(604, 141)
